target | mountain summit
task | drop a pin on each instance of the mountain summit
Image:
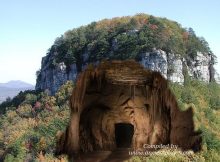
(157, 43)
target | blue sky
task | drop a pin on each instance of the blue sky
(29, 28)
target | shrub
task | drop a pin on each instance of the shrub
(187, 96)
(30, 99)
(64, 92)
(24, 110)
(214, 95)
(210, 139)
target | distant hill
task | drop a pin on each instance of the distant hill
(12, 88)
(16, 84)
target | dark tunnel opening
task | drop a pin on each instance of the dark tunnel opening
(123, 135)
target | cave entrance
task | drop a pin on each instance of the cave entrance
(123, 134)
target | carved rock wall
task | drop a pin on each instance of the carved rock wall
(108, 95)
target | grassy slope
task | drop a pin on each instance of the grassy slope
(28, 135)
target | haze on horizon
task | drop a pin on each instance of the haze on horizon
(29, 28)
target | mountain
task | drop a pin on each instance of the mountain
(157, 43)
(12, 88)
(31, 121)
(16, 84)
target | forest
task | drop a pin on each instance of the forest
(32, 120)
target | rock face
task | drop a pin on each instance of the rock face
(199, 68)
(51, 78)
(122, 105)
(170, 65)
(175, 70)
(156, 61)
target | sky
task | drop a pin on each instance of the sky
(29, 28)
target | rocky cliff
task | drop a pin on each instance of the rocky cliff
(170, 65)
(156, 43)
(51, 78)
